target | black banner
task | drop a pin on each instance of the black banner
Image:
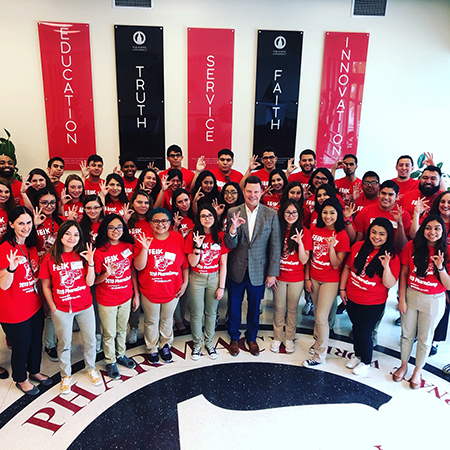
(140, 93)
(277, 90)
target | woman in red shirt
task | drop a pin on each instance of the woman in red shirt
(66, 279)
(72, 197)
(116, 201)
(21, 313)
(207, 256)
(370, 271)
(183, 216)
(330, 246)
(296, 247)
(116, 289)
(6, 204)
(163, 277)
(93, 215)
(423, 281)
(275, 190)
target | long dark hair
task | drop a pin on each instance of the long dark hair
(31, 192)
(327, 173)
(215, 228)
(288, 187)
(421, 252)
(134, 217)
(57, 249)
(282, 175)
(70, 178)
(291, 244)
(86, 222)
(240, 198)
(102, 241)
(175, 209)
(435, 205)
(210, 196)
(122, 196)
(328, 189)
(10, 235)
(9, 204)
(156, 189)
(375, 266)
(41, 193)
(339, 225)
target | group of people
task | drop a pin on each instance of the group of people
(95, 251)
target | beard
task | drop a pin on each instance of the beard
(427, 190)
(6, 172)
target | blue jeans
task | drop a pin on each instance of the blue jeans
(235, 297)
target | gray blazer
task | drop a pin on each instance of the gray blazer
(262, 255)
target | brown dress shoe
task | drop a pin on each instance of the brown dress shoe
(253, 347)
(233, 347)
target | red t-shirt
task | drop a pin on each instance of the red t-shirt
(188, 176)
(272, 201)
(3, 221)
(46, 232)
(263, 176)
(301, 177)
(291, 269)
(59, 188)
(141, 227)
(167, 199)
(222, 179)
(93, 232)
(186, 226)
(21, 301)
(346, 188)
(362, 201)
(406, 186)
(210, 253)
(69, 288)
(79, 210)
(321, 268)
(409, 200)
(368, 214)
(16, 185)
(130, 186)
(117, 288)
(91, 188)
(162, 277)
(428, 285)
(114, 207)
(364, 290)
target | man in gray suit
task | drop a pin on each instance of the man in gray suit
(253, 234)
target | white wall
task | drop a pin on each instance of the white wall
(406, 106)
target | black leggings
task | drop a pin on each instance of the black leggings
(26, 341)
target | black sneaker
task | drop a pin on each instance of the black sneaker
(165, 354)
(113, 371)
(153, 358)
(126, 362)
(51, 353)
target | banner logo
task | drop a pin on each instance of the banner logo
(279, 42)
(139, 38)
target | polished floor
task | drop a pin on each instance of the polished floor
(251, 402)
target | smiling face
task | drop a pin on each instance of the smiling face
(37, 182)
(70, 239)
(141, 205)
(370, 187)
(6, 167)
(387, 198)
(175, 183)
(149, 180)
(206, 219)
(295, 193)
(114, 188)
(22, 227)
(444, 206)
(95, 168)
(269, 160)
(290, 215)
(93, 210)
(207, 184)
(429, 182)
(129, 170)
(321, 196)
(75, 189)
(307, 164)
(5, 194)
(115, 231)
(230, 194)
(47, 203)
(252, 194)
(183, 203)
(378, 236)
(277, 182)
(404, 168)
(329, 216)
(160, 225)
(433, 232)
(319, 179)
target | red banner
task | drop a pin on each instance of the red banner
(210, 92)
(344, 68)
(69, 108)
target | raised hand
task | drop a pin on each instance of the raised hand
(385, 259)
(198, 196)
(397, 214)
(198, 239)
(429, 159)
(357, 191)
(65, 197)
(84, 169)
(13, 259)
(38, 218)
(219, 208)
(110, 268)
(165, 183)
(25, 184)
(349, 210)
(331, 241)
(438, 260)
(103, 188)
(151, 165)
(177, 218)
(72, 213)
(127, 212)
(254, 164)
(422, 206)
(267, 191)
(88, 254)
(145, 241)
(290, 167)
(297, 237)
(118, 171)
(201, 164)
(236, 221)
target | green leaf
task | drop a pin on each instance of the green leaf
(416, 174)
(7, 133)
(440, 165)
(421, 160)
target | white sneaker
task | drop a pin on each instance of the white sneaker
(275, 346)
(132, 335)
(354, 361)
(196, 353)
(311, 350)
(290, 346)
(313, 363)
(94, 377)
(212, 353)
(361, 368)
(64, 388)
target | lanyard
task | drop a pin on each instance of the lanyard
(28, 257)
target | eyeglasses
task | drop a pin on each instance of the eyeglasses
(175, 155)
(370, 183)
(45, 203)
(115, 228)
(291, 213)
(92, 208)
(324, 179)
(267, 157)
(206, 216)
(233, 193)
(162, 222)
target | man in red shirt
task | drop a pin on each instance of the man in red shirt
(350, 182)
(307, 163)
(386, 207)
(269, 162)
(404, 168)
(128, 167)
(175, 158)
(428, 190)
(55, 170)
(370, 189)
(224, 171)
(91, 175)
